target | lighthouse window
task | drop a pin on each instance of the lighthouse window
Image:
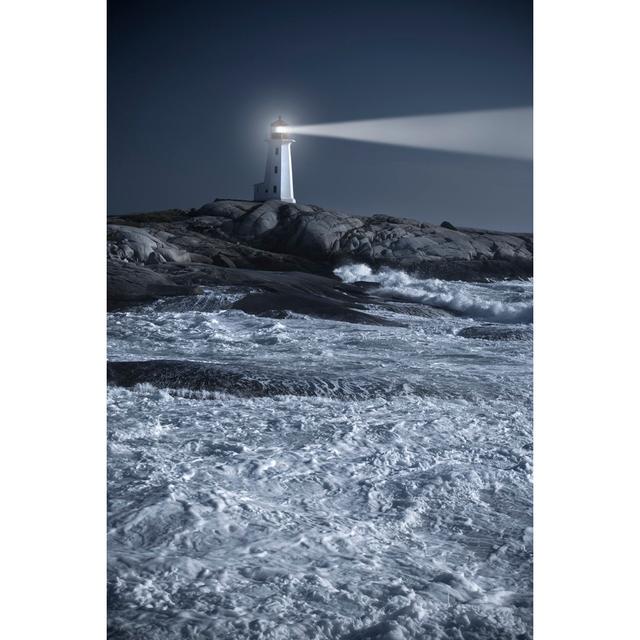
(275, 169)
(276, 150)
(274, 189)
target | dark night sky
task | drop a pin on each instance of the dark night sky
(194, 84)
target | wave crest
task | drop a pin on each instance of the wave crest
(473, 300)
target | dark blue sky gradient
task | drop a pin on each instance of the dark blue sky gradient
(193, 85)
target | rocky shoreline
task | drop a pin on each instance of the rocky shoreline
(287, 253)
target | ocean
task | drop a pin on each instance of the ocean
(348, 481)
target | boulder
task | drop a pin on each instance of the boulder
(131, 283)
(322, 237)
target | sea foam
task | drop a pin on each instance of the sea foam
(391, 499)
(466, 299)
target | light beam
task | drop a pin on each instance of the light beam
(506, 133)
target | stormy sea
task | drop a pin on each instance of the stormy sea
(297, 477)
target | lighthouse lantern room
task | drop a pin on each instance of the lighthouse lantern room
(278, 177)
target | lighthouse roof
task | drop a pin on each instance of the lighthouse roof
(280, 122)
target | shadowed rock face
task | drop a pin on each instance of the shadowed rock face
(283, 236)
(327, 236)
(246, 382)
(170, 252)
(132, 283)
(495, 332)
(280, 292)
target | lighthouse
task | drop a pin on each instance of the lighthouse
(278, 176)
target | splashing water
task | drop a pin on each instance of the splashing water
(392, 500)
(473, 300)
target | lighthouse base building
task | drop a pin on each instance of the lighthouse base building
(278, 177)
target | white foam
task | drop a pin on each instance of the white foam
(467, 299)
(388, 516)
(351, 273)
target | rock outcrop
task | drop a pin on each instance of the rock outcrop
(172, 252)
(291, 235)
(132, 283)
(331, 238)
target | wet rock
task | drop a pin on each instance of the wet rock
(170, 252)
(495, 332)
(245, 382)
(276, 235)
(280, 292)
(278, 304)
(130, 283)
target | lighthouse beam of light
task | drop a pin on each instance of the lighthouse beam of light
(506, 133)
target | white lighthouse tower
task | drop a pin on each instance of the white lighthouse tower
(278, 177)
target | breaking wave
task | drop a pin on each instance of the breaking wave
(467, 299)
(313, 478)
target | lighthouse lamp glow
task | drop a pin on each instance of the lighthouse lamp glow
(501, 133)
(278, 176)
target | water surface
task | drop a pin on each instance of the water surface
(400, 508)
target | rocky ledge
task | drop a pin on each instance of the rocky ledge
(262, 245)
